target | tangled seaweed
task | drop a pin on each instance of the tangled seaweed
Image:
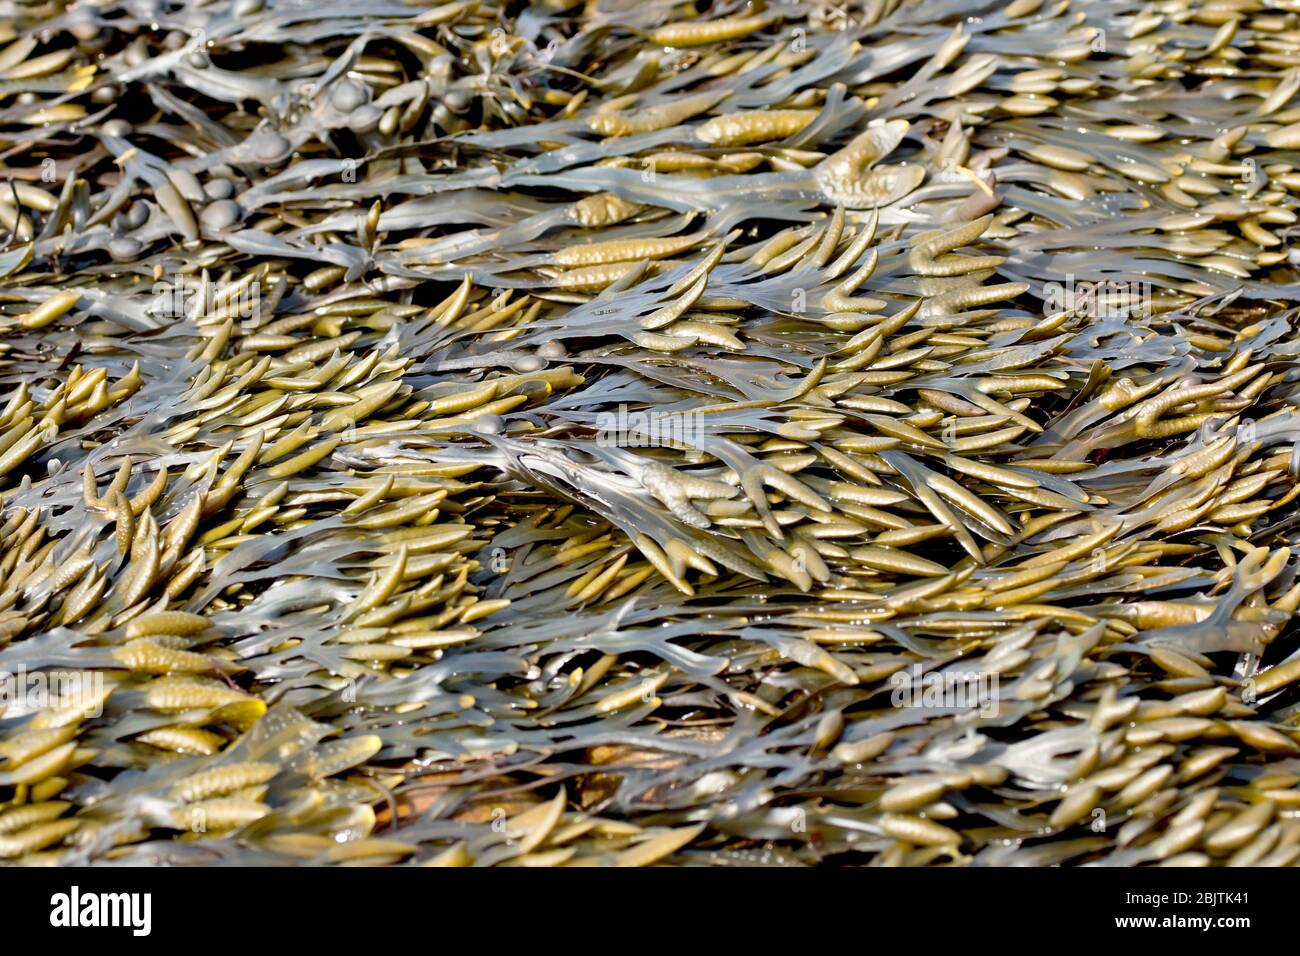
(620, 433)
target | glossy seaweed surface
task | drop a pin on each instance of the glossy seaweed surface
(628, 432)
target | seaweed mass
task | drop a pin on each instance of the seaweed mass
(629, 432)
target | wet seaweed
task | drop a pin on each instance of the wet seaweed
(629, 433)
